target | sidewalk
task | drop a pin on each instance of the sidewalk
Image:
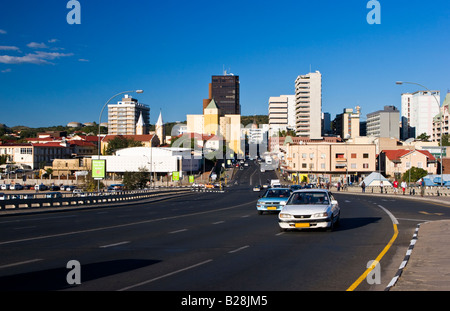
(426, 266)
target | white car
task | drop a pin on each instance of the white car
(310, 208)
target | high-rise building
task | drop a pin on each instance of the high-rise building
(347, 123)
(308, 109)
(123, 117)
(418, 110)
(225, 92)
(281, 113)
(384, 123)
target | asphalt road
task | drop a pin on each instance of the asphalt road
(207, 242)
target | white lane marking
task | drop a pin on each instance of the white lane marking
(120, 226)
(20, 263)
(394, 220)
(165, 275)
(178, 231)
(239, 249)
(218, 222)
(115, 244)
(21, 228)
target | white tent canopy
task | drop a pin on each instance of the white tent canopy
(374, 180)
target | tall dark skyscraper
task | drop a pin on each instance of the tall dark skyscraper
(225, 91)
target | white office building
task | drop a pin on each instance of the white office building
(417, 111)
(308, 105)
(281, 113)
(127, 117)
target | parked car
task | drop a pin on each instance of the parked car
(310, 208)
(16, 187)
(271, 200)
(5, 186)
(54, 188)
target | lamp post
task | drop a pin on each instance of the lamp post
(100, 121)
(439, 105)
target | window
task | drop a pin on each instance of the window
(366, 165)
(353, 165)
(365, 155)
(353, 156)
(303, 165)
(339, 156)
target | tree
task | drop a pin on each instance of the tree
(136, 180)
(423, 137)
(120, 142)
(445, 140)
(415, 173)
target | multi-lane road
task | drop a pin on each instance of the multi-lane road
(208, 242)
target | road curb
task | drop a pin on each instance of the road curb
(405, 259)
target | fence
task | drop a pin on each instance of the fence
(55, 199)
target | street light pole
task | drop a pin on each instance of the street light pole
(100, 121)
(439, 105)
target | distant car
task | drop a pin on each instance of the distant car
(257, 188)
(16, 187)
(310, 208)
(5, 186)
(271, 200)
(53, 195)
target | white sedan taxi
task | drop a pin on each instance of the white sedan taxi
(310, 208)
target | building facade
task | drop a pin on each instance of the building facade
(225, 91)
(328, 162)
(123, 117)
(347, 123)
(308, 105)
(418, 110)
(384, 123)
(281, 113)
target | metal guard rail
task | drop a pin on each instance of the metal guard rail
(91, 199)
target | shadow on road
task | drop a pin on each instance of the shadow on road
(55, 279)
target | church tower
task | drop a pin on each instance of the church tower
(159, 129)
(141, 127)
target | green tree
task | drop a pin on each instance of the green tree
(415, 173)
(423, 137)
(445, 140)
(136, 180)
(120, 142)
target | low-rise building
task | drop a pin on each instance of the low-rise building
(330, 162)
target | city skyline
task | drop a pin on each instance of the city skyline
(53, 73)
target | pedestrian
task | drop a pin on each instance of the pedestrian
(403, 185)
(338, 186)
(422, 187)
(381, 186)
(363, 186)
(395, 186)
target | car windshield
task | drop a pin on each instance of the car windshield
(277, 193)
(309, 198)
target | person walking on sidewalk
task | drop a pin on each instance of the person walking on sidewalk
(422, 187)
(395, 186)
(403, 185)
(363, 186)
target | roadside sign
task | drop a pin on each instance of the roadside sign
(191, 178)
(98, 169)
(175, 176)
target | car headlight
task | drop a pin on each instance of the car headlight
(320, 215)
(285, 215)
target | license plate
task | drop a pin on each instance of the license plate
(271, 207)
(302, 225)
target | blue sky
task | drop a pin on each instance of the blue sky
(52, 73)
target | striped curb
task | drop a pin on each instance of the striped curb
(405, 260)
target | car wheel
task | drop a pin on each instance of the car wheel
(260, 212)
